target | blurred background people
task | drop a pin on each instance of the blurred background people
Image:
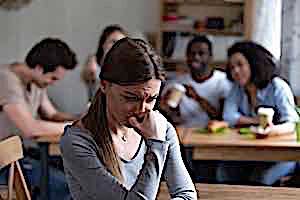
(203, 99)
(256, 84)
(206, 88)
(92, 68)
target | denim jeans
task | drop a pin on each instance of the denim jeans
(262, 173)
(58, 188)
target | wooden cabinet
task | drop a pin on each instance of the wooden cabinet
(216, 18)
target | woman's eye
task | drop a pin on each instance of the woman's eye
(240, 64)
(151, 99)
(132, 98)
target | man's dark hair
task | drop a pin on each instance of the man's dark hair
(200, 39)
(51, 53)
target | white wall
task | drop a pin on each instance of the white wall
(267, 25)
(290, 44)
(79, 23)
(8, 40)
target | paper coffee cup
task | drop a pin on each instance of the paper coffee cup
(176, 93)
(265, 116)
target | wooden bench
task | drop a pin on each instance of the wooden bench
(238, 192)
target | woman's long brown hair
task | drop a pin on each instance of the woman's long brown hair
(129, 61)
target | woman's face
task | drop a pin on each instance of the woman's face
(124, 102)
(111, 40)
(240, 69)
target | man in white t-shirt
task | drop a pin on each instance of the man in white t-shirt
(206, 88)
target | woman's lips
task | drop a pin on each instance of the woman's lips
(140, 119)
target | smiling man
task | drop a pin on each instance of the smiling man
(206, 87)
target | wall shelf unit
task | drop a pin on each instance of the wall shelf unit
(214, 18)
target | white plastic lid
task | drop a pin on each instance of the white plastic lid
(266, 111)
(179, 87)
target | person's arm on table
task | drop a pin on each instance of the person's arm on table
(29, 126)
(50, 113)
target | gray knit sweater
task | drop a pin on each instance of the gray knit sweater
(88, 179)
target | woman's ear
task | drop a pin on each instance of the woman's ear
(39, 69)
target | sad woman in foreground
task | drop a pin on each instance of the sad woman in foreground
(122, 148)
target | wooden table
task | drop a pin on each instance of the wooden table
(233, 146)
(237, 192)
(227, 146)
(48, 145)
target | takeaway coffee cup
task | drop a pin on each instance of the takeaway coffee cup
(176, 93)
(265, 116)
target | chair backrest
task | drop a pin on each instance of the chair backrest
(11, 152)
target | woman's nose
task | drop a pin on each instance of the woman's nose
(235, 70)
(144, 107)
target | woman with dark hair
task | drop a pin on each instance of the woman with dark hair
(252, 69)
(119, 149)
(256, 84)
(108, 37)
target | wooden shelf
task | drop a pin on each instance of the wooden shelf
(186, 29)
(190, 11)
(206, 2)
(174, 64)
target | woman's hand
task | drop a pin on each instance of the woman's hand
(152, 126)
(89, 72)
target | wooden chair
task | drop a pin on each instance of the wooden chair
(297, 100)
(10, 153)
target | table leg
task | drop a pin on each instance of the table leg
(44, 179)
(187, 156)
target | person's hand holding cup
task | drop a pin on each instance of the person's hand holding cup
(265, 117)
(175, 94)
(265, 122)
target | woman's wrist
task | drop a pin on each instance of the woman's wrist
(156, 137)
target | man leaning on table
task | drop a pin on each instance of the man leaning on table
(25, 108)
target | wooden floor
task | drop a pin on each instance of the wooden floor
(234, 192)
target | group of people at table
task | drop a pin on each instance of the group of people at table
(122, 147)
